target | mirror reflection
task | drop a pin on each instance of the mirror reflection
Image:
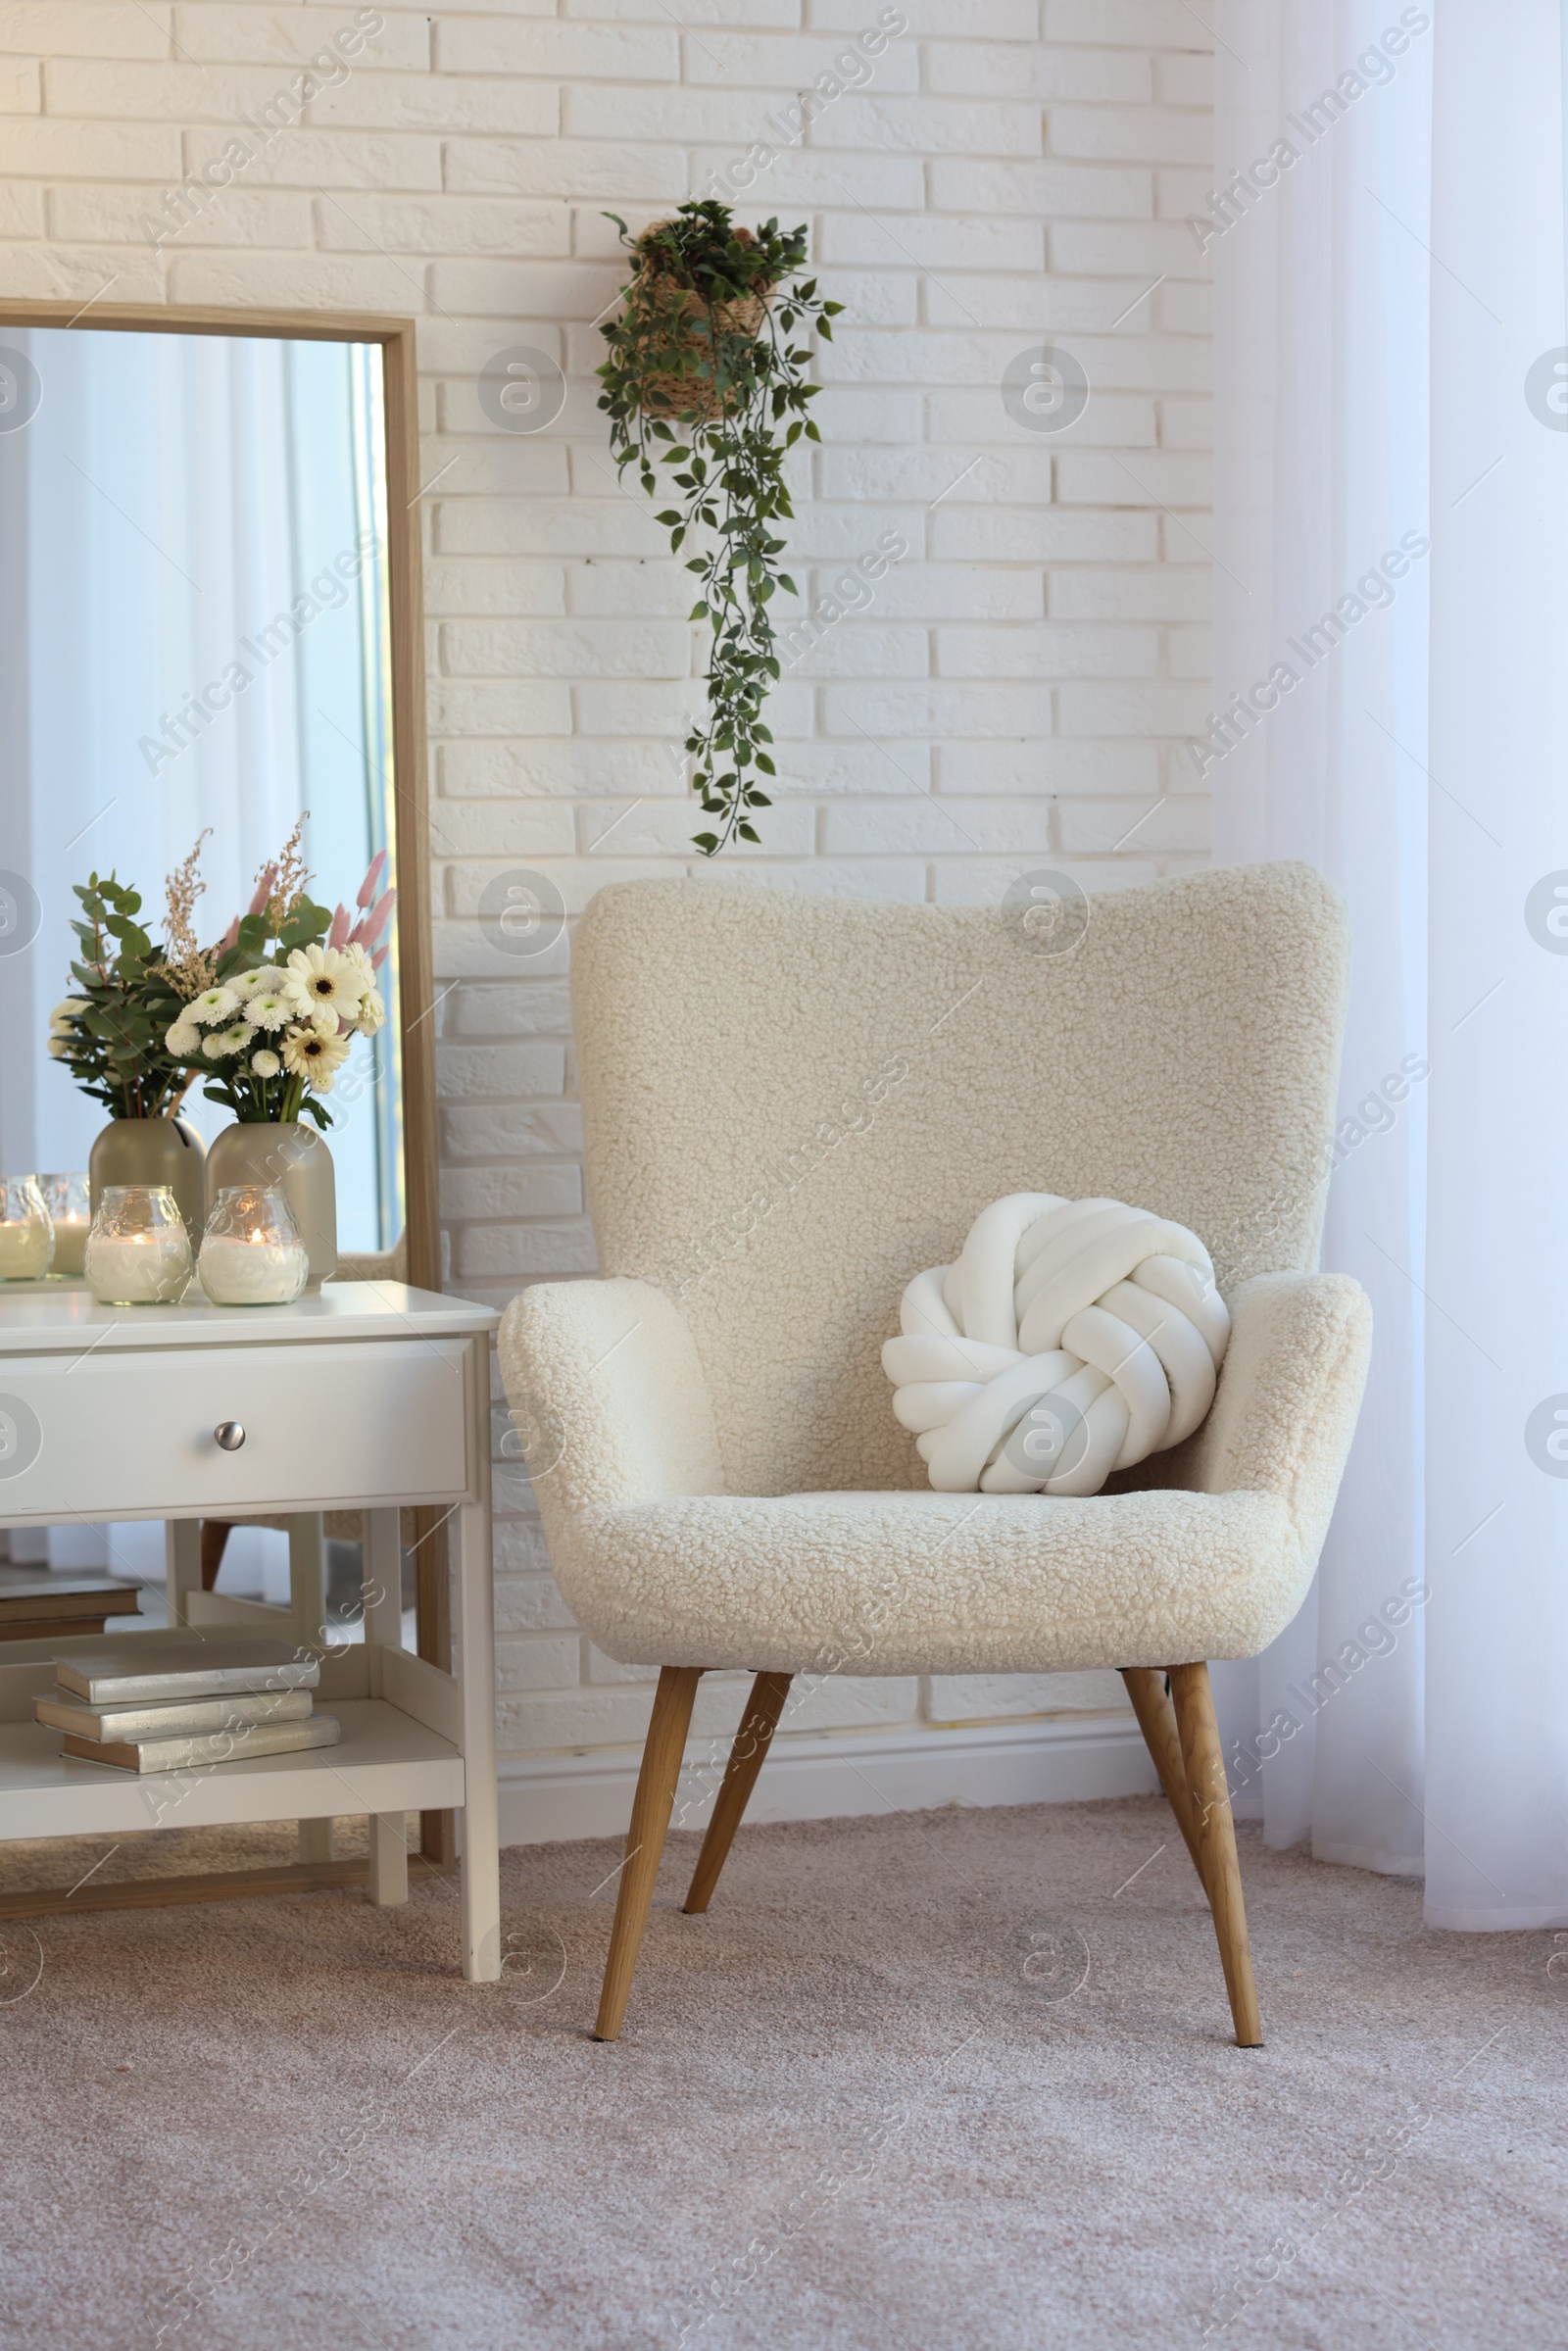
(194, 647)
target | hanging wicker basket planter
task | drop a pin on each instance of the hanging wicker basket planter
(703, 376)
(683, 335)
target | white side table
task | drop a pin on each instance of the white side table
(368, 1397)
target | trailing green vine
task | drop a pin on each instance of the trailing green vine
(703, 377)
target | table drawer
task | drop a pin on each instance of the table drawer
(112, 1434)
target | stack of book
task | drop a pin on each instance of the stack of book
(161, 1707)
(35, 1605)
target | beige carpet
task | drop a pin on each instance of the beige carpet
(866, 2104)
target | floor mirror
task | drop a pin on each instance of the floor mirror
(211, 631)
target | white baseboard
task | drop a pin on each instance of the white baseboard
(831, 1775)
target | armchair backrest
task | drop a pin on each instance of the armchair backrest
(792, 1103)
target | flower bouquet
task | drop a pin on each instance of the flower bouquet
(288, 989)
(266, 1017)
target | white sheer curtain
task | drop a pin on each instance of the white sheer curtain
(1392, 606)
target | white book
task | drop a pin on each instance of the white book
(214, 1747)
(151, 1669)
(172, 1718)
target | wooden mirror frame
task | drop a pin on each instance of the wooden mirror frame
(410, 776)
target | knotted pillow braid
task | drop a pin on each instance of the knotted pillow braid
(1079, 1315)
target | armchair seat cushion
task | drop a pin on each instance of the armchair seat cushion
(903, 1583)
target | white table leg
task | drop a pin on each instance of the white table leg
(383, 1630)
(474, 1660)
(182, 1565)
(306, 1586)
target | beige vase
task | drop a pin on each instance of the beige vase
(291, 1157)
(151, 1151)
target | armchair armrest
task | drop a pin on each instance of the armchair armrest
(609, 1397)
(1289, 1395)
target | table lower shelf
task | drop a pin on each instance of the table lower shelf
(384, 1762)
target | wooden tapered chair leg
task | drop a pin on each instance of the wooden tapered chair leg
(216, 1533)
(1157, 1719)
(1219, 1866)
(645, 1839)
(751, 1742)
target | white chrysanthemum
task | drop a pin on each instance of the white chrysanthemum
(269, 1008)
(184, 1039)
(212, 1005)
(223, 1041)
(247, 984)
(360, 957)
(328, 976)
(317, 1058)
(266, 1064)
(372, 1015)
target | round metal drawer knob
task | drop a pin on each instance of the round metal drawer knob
(230, 1434)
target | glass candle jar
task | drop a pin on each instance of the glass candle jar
(253, 1254)
(67, 1199)
(138, 1251)
(26, 1237)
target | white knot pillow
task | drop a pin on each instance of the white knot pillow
(1071, 1338)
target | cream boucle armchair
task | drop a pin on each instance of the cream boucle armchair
(795, 1103)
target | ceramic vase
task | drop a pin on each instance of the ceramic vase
(289, 1156)
(148, 1153)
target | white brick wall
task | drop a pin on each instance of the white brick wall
(1011, 170)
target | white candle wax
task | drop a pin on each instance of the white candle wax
(24, 1250)
(250, 1273)
(143, 1269)
(70, 1243)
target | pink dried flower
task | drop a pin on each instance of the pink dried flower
(369, 926)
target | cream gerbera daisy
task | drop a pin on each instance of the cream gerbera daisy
(212, 1005)
(314, 1056)
(266, 1064)
(223, 1041)
(327, 977)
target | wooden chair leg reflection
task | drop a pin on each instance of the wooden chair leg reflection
(1217, 1866)
(1157, 1719)
(215, 1543)
(751, 1742)
(645, 1842)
